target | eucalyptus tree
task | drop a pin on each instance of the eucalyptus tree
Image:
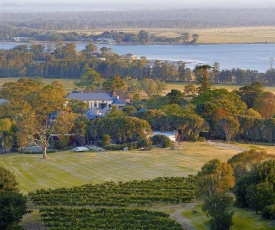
(203, 76)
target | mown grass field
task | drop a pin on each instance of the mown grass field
(209, 35)
(67, 169)
(242, 219)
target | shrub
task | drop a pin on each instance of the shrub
(7, 180)
(161, 141)
(269, 212)
(106, 139)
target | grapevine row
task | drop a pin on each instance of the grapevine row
(164, 190)
(73, 218)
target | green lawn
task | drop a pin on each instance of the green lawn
(66, 169)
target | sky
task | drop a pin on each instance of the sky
(158, 3)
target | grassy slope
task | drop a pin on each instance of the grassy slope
(242, 219)
(66, 169)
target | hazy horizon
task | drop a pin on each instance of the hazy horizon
(137, 4)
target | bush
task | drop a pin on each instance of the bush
(106, 139)
(131, 145)
(12, 203)
(161, 141)
(12, 208)
(269, 212)
(7, 180)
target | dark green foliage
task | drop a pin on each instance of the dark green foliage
(175, 96)
(257, 130)
(250, 92)
(240, 189)
(203, 77)
(161, 141)
(170, 190)
(12, 208)
(12, 203)
(259, 195)
(69, 218)
(219, 208)
(256, 189)
(269, 212)
(120, 129)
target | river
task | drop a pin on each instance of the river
(229, 56)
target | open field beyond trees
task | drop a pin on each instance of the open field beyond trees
(69, 85)
(67, 169)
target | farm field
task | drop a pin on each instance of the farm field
(67, 169)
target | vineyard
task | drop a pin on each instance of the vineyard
(146, 192)
(84, 218)
(78, 207)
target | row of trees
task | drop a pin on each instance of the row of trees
(63, 61)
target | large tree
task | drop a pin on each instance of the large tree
(227, 128)
(203, 75)
(31, 104)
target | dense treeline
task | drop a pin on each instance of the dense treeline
(182, 18)
(63, 61)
